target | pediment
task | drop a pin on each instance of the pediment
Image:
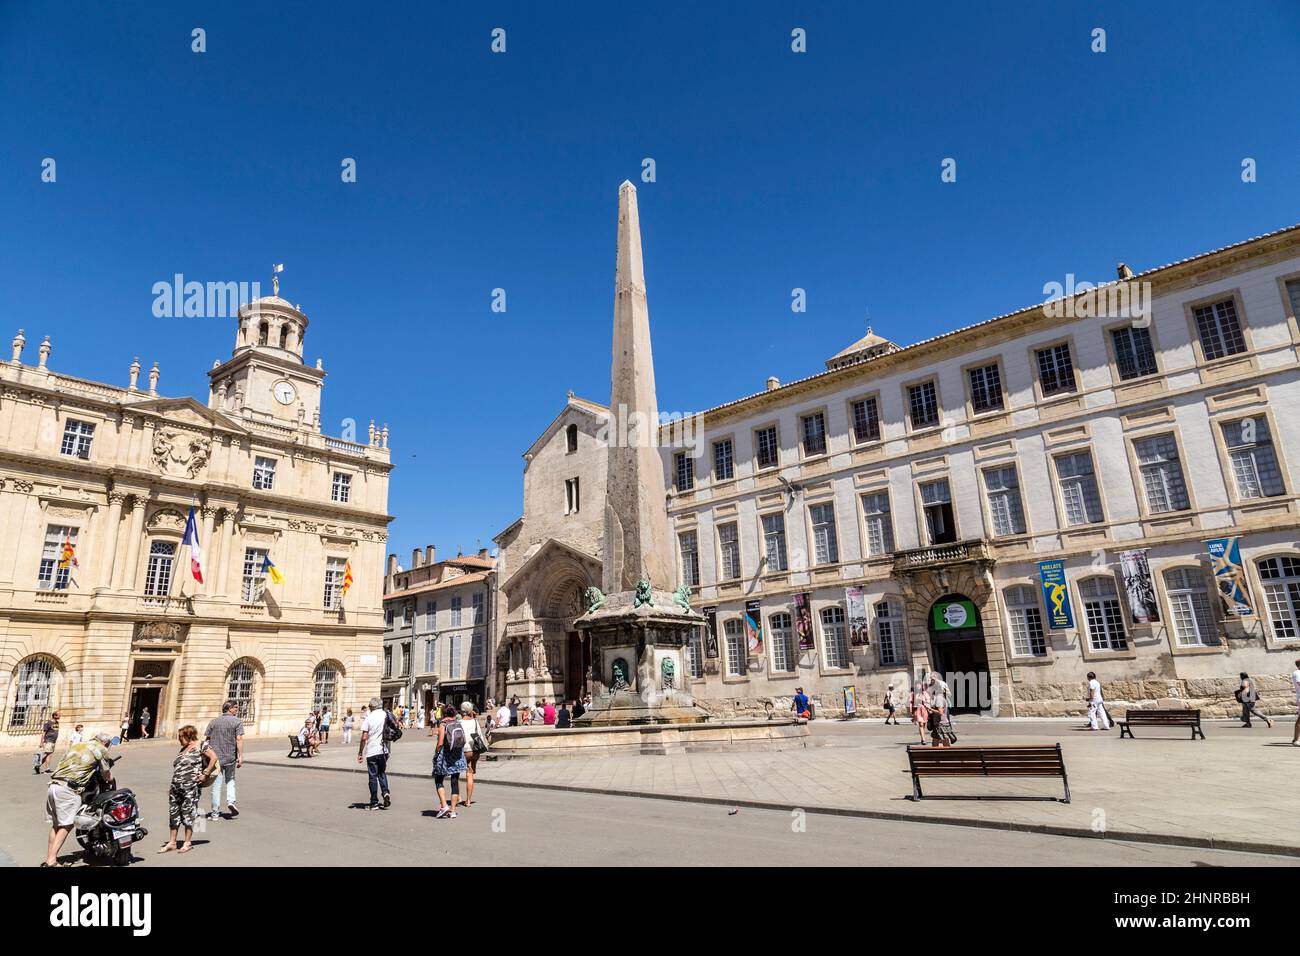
(188, 413)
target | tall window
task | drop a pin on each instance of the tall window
(688, 543)
(240, 683)
(814, 434)
(1281, 580)
(1005, 509)
(571, 439)
(431, 615)
(324, 684)
(456, 604)
(455, 644)
(737, 650)
(1219, 330)
(431, 656)
(866, 421)
(985, 388)
(765, 447)
(1134, 356)
(695, 654)
(1254, 461)
(341, 487)
(684, 471)
(254, 579)
(404, 661)
(263, 473)
(388, 660)
(774, 541)
(1078, 484)
(878, 524)
(922, 405)
(723, 460)
(889, 633)
(477, 647)
(1162, 473)
(782, 636)
(476, 601)
(77, 438)
(572, 500)
(729, 551)
(826, 549)
(1103, 615)
(1055, 369)
(1025, 619)
(1189, 600)
(936, 500)
(33, 688)
(54, 573)
(334, 569)
(158, 573)
(835, 644)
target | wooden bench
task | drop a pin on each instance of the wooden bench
(297, 749)
(1015, 760)
(1160, 718)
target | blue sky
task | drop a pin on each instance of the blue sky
(476, 170)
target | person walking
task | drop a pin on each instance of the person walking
(347, 726)
(562, 720)
(373, 751)
(448, 761)
(475, 744)
(937, 705)
(325, 718)
(76, 737)
(63, 798)
(919, 711)
(225, 735)
(49, 737)
(189, 769)
(1096, 705)
(891, 706)
(1248, 696)
(146, 719)
(125, 729)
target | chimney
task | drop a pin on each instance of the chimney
(417, 558)
(773, 382)
(392, 570)
(483, 553)
(430, 554)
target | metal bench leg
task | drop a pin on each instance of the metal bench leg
(1066, 780)
(1197, 732)
(1124, 731)
(916, 787)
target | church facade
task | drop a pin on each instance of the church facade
(101, 616)
(1105, 482)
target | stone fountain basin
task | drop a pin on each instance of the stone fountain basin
(777, 733)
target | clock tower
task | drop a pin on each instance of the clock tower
(265, 376)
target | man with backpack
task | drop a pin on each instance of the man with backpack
(378, 732)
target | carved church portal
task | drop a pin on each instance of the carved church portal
(958, 654)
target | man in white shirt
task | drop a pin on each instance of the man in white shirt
(374, 751)
(1096, 706)
(503, 715)
(1295, 686)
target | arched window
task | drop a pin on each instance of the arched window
(325, 684)
(1025, 621)
(890, 636)
(737, 652)
(263, 333)
(1189, 600)
(33, 690)
(782, 642)
(1281, 579)
(284, 336)
(571, 438)
(158, 575)
(241, 687)
(1103, 615)
(835, 645)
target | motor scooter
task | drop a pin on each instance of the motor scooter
(109, 821)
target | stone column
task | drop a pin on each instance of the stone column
(108, 548)
(227, 543)
(210, 550)
(126, 575)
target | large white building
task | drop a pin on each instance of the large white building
(891, 514)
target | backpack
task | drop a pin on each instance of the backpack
(392, 731)
(454, 736)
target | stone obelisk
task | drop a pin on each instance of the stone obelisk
(636, 523)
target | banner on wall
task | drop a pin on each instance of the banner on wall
(711, 632)
(1056, 596)
(1229, 575)
(1139, 587)
(754, 628)
(803, 621)
(856, 599)
(850, 699)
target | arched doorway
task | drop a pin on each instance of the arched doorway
(958, 653)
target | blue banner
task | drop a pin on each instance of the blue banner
(1056, 596)
(1229, 575)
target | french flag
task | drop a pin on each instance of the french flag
(191, 540)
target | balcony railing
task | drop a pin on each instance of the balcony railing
(161, 602)
(939, 555)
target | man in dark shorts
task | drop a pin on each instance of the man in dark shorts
(49, 737)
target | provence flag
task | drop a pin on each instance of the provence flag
(68, 556)
(191, 540)
(271, 571)
(347, 579)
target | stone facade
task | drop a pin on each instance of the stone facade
(1044, 434)
(113, 472)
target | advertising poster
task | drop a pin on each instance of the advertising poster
(1138, 586)
(1225, 554)
(1056, 596)
(803, 621)
(754, 628)
(856, 600)
(850, 700)
(711, 632)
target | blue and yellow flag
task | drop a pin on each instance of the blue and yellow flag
(271, 571)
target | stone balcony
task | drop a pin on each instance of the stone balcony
(972, 551)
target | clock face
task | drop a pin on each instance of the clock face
(284, 393)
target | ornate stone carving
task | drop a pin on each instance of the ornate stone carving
(167, 518)
(682, 597)
(595, 600)
(160, 632)
(643, 594)
(175, 452)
